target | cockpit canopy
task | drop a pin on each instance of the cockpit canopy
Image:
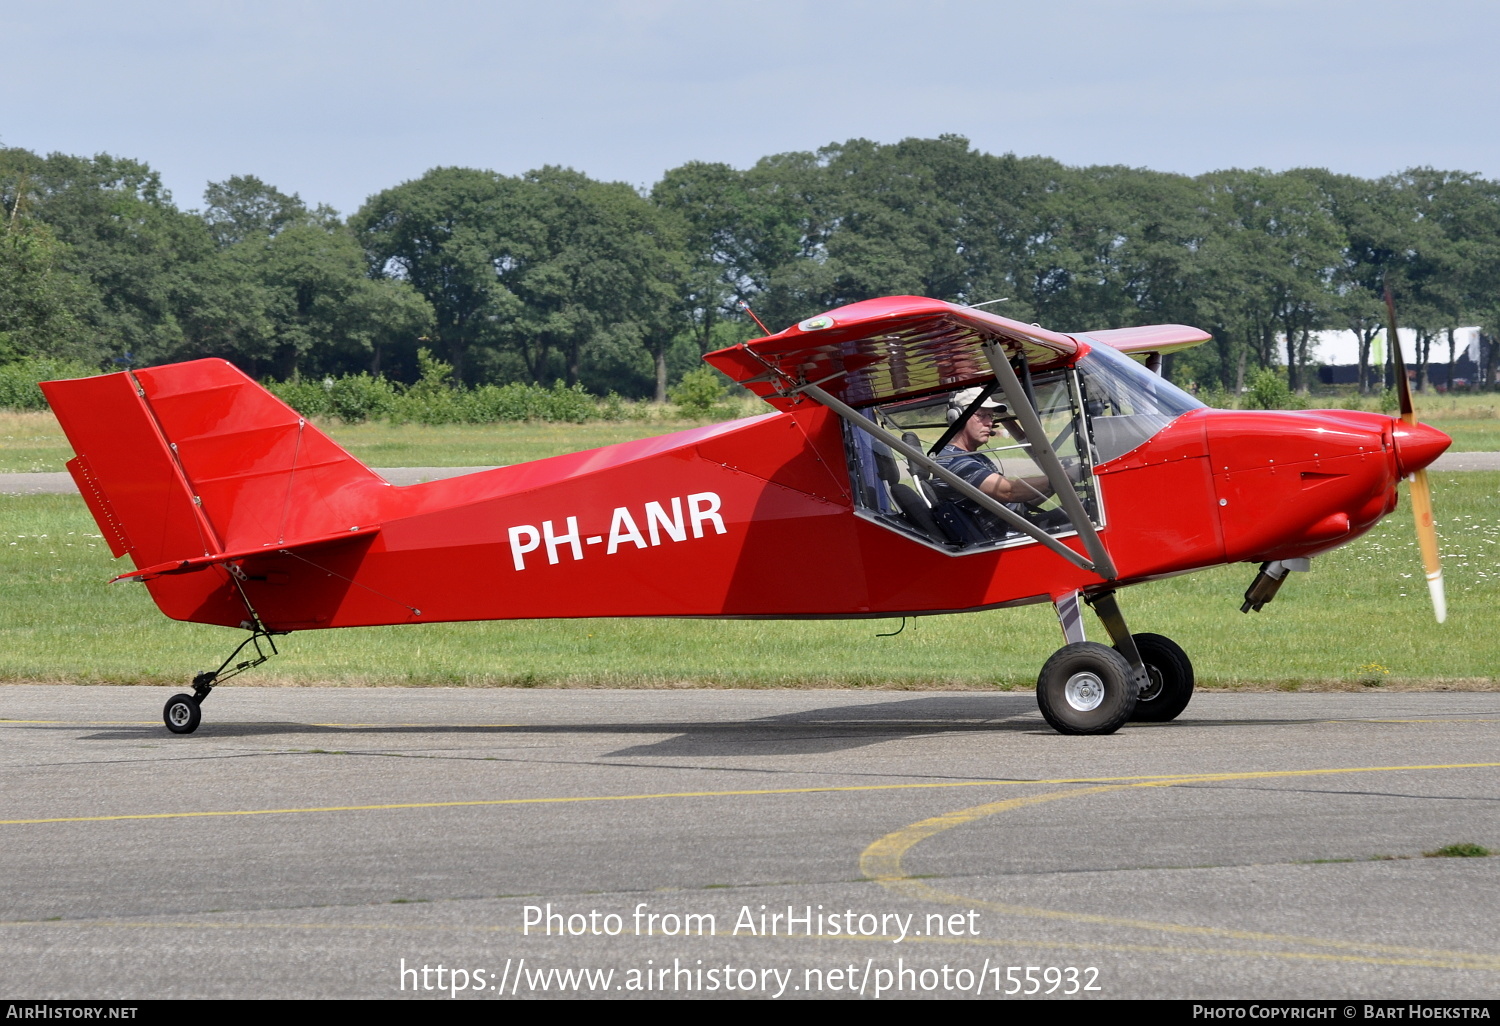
(1125, 403)
(1094, 411)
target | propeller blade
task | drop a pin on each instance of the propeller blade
(1421, 506)
(1403, 387)
(1421, 494)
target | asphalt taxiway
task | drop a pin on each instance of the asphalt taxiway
(316, 841)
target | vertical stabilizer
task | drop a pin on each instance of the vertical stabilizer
(195, 460)
(265, 476)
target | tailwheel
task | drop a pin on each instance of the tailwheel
(1170, 676)
(1086, 688)
(182, 714)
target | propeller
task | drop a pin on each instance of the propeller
(1416, 437)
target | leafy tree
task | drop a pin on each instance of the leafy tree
(322, 313)
(756, 237)
(1270, 262)
(441, 234)
(124, 236)
(699, 392)
(585, 262)
(299, 275)
(554, 275)
(244, 208)
(1451, 273)
(44, 306)
(711, 204)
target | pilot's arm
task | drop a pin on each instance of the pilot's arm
(1016, 489)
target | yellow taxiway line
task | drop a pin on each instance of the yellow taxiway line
(882, 862)
(1150, 780)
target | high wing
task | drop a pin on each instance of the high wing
(884, 349)
(1151, 338)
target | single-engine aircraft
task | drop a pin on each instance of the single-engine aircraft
(845, 501)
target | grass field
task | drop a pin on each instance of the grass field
(1472, 420)
(487, 445)
(1360, 618)
(33, 441)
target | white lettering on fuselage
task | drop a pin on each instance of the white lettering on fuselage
(669, 521)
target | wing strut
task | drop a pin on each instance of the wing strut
(955, 482)
(1046, 458)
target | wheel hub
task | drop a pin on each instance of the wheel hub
(1084, 691)
(1154, 684)
(180, 714)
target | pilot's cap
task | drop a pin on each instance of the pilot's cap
(958, 402)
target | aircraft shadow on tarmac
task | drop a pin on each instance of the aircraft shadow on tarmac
(839, 728)
(807, 732)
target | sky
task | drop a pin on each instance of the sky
(336, 101)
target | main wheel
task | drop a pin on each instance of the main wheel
(1171, 676)
(181, 714)
(1086, 688)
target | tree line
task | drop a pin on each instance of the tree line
(553, 276)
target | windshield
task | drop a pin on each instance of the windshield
(1126, 403)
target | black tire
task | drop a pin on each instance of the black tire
(181, 714)
(1086, 688)
(1171, 675)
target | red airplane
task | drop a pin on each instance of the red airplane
(874, 489)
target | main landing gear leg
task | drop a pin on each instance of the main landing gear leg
(1089, 688)
(1162, 668)
(182, 713)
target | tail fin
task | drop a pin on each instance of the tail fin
(196, 460)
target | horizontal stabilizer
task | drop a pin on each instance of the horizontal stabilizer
(187, 566)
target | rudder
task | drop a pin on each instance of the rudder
(126, 472)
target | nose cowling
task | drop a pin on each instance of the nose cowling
(1417, 445)
(1294, 483)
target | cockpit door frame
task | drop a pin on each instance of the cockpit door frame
(1045, 457)
(967, 490)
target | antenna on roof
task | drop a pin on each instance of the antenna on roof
(988, 302)
(746, 307)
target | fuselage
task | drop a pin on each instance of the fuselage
(755, 519)
(228, 501)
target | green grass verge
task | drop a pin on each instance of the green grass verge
(33, 442)
(380, 444)
(1359, 620)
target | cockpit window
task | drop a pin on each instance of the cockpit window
(1126, 403)
(904, 495)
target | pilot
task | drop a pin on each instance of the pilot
(962, 456)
